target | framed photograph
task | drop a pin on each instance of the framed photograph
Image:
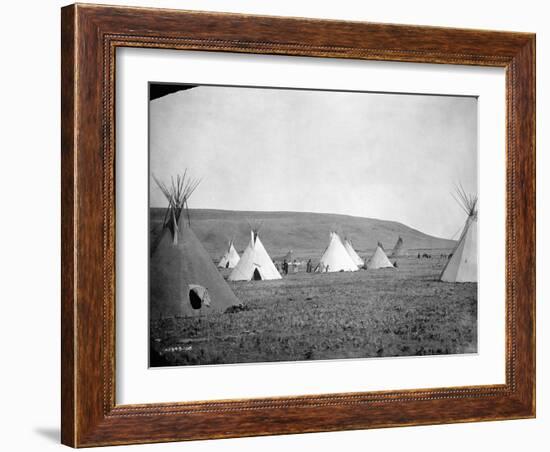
(281, 225)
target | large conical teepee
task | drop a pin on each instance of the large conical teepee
(379, 259)
(398, 248)
(336, 258)
(462, 266)
(231, 258)
(354, 256)
(255, 263)
(183, 279)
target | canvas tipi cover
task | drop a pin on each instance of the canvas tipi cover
(354, 256)
(336, 258)
(255, 263)
(230, 259)
(398, 248)
(183, 280)
(462, 266)
(379, 259)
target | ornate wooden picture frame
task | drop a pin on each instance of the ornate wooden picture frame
(90, 37)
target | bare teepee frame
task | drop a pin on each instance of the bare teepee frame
(177, 193)
(467, 202)
(255, 226)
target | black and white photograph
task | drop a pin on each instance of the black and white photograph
(275, 226)
(293, 224)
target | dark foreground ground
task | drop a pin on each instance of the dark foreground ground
(310, 316)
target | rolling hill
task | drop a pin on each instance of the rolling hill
(305, 233)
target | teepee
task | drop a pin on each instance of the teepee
(354, 256)
(183, 280)
(379, 259)
(231, 258)
(398, 248)
(255, 263)
(336, 258)
(462, 266)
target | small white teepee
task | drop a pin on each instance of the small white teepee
(379, 259)
(354, 256)
(255, 263)
(336, 258)
(462, 266)
(231, 258)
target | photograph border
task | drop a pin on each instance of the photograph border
(90, 35)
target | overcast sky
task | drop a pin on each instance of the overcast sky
(387, 156)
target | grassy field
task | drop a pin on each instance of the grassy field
(310, 316)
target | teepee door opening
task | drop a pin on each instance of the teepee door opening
(198, 296)
(256, 276)
(195, 299)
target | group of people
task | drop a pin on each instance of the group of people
(285, 267)
(429, 256)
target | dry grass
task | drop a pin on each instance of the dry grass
(376, 313)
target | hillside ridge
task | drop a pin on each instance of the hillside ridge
(303, 232)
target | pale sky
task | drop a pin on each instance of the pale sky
(387, 156)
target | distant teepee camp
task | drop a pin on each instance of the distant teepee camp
(336, 258)
(462, 266)
(398, 248)
(231, 258)
(183, 279)
(354, 256)
(379, 259)
(255, 263)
